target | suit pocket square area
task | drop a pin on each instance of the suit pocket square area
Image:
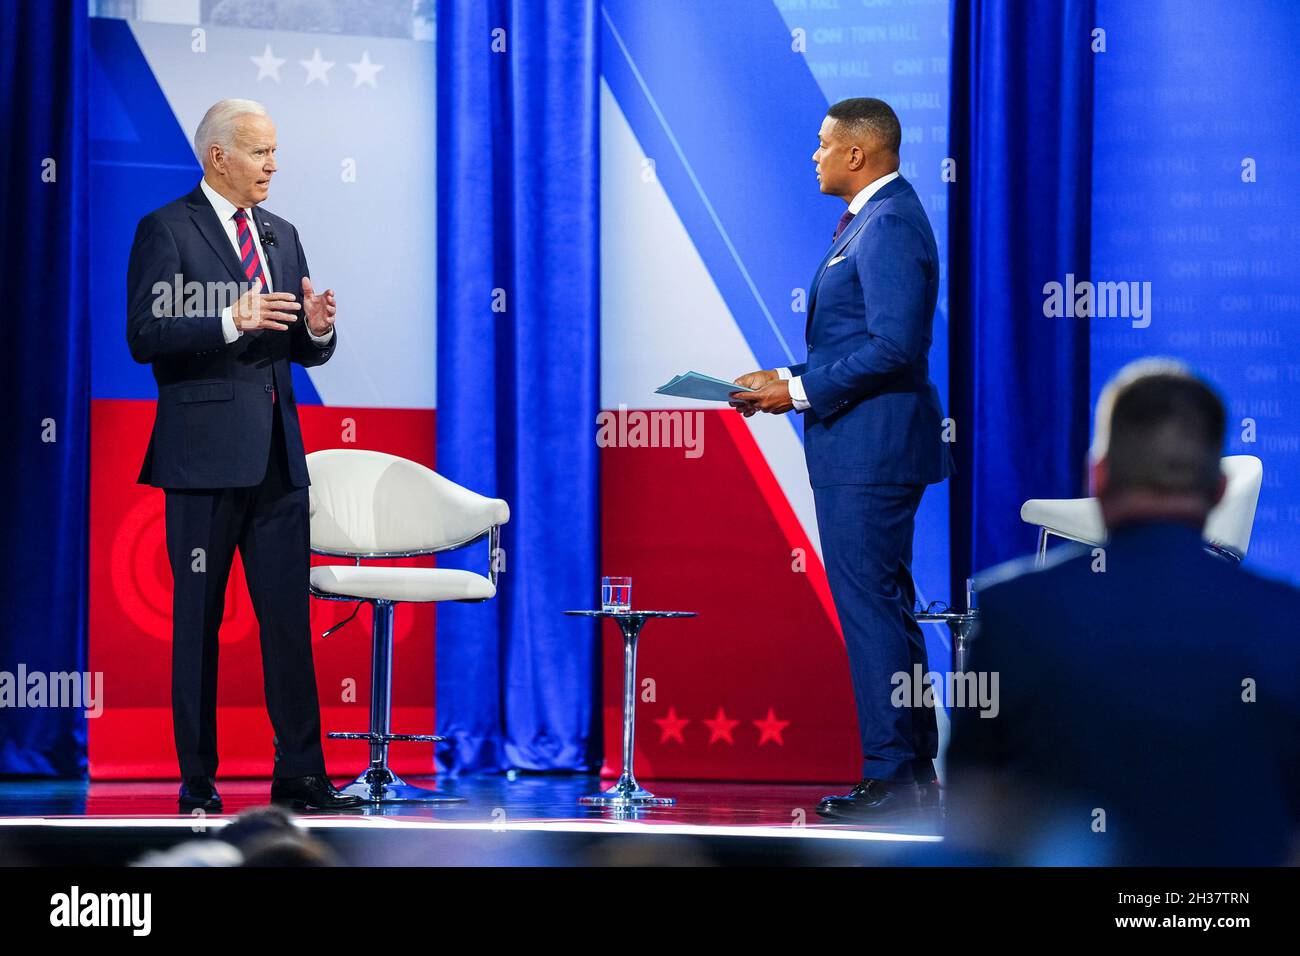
(835, 260)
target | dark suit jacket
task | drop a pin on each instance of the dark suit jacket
(1121, 689)
(874, 416)
(213, 424)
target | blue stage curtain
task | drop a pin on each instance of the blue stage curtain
(518, 367)
(1021, 121)
(45, 390)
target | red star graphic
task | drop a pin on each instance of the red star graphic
(720, 727)
(671, 726)
(770, 728)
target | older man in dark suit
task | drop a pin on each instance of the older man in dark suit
(220, 303)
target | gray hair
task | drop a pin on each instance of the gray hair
(217, 128)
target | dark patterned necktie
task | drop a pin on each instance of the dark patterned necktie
(844, 221)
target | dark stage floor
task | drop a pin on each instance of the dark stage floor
(529, 820)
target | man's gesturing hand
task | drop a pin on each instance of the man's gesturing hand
(319, 309)
(763, 391)
(269, 310)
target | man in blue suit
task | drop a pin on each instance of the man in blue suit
(215, 286)
(873, 439)
(1148, 705)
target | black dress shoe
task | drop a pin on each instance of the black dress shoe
(871, 801)
(311, 793)
(200, 793)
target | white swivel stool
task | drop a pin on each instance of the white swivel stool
(369, 505)
(1227, 530)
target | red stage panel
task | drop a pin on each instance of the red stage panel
(712, 534)
(130, 615)
(757, 687)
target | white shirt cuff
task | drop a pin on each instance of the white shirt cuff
(321, 339)
(797, 395)
(228, 328)
(782, 374)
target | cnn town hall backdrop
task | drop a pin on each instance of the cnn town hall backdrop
(697, 271)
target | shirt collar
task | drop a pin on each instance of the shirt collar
(224, 207)
(870, 190)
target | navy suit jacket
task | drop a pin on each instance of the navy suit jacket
(874, 415)
(1121, 689)
(213, 424)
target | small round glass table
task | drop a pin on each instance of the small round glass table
(627, 792)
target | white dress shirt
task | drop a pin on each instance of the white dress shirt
(226, 210)
(797, 394)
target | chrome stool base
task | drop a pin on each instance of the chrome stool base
(620, 795)
(378, 784)
(384, 786)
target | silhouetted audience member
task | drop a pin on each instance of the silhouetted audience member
(261, 836)
(203, 852)
(288, 849)
(1147, 689)
(256, 822)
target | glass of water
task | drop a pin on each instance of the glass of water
(615, 594)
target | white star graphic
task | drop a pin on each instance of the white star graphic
(317, 69)
(365, 70)
(268, 64)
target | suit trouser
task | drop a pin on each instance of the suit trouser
(866, 534)
(269, 523)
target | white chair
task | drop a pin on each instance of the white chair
(369, 505)
(1227, 530)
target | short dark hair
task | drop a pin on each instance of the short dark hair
(1166, 436)
(871, 117)
(288, 849)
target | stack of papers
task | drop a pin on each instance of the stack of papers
(706, 388)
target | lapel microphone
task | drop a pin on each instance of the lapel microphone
(268, 237)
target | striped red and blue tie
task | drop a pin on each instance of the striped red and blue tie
(252, 263)
(248, 251)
